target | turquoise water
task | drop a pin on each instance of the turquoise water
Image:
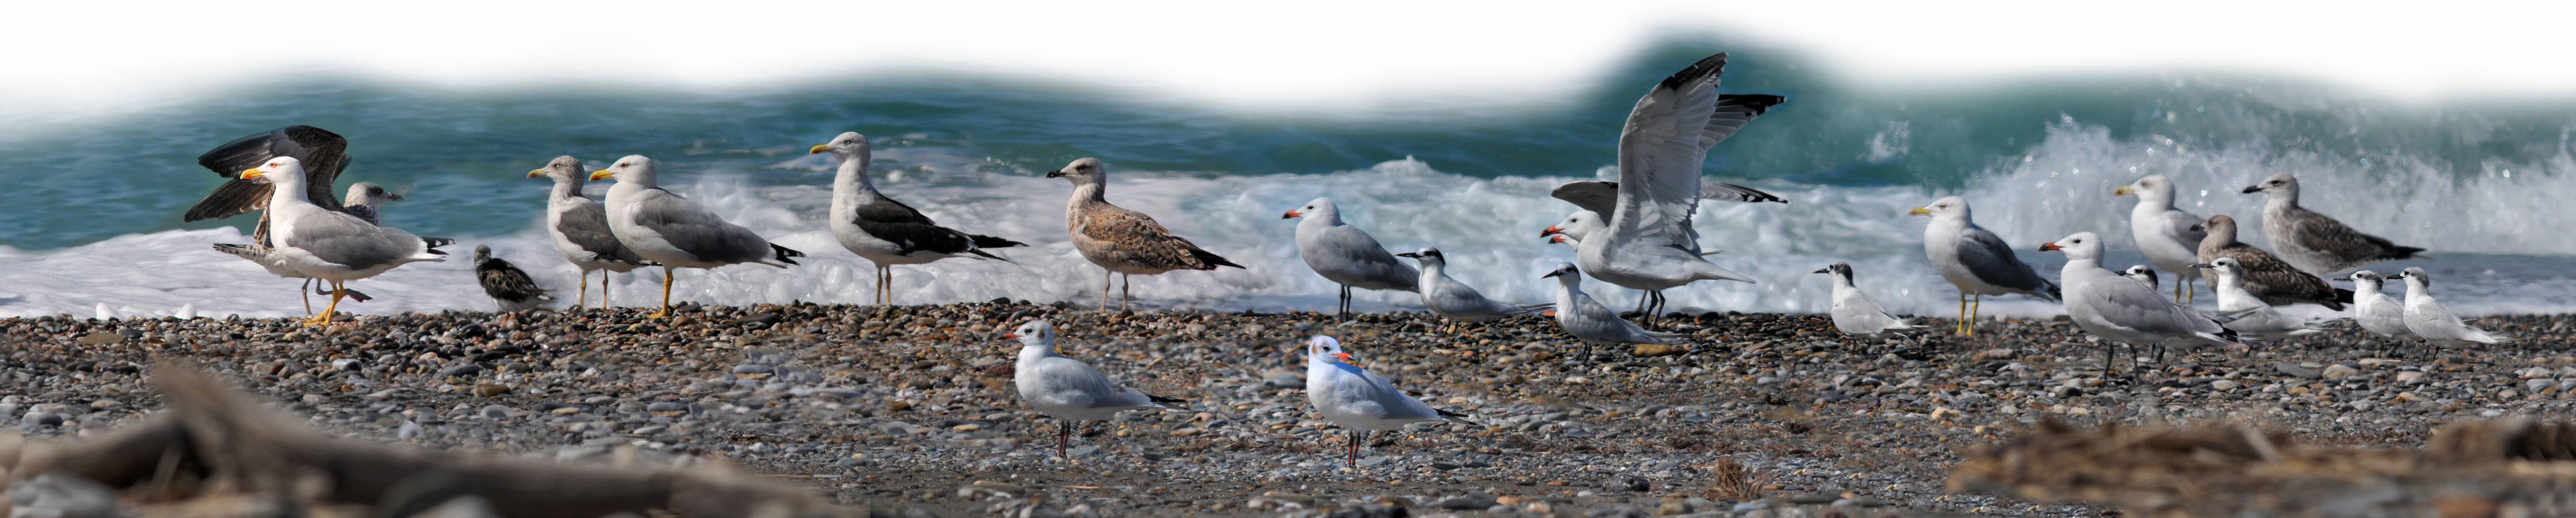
(2476, 181)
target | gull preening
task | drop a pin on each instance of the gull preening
(1588, 320)
(1068, 389)
(580, 229)
(2141, 273)
(1646, 242)
(2313, 242)
(1345, 254)
(1456, 300)
(2169, 237)
(1358, 400)
(1976, 261)
(2267, 276)
(2428, 318)
(664, 228)
(1122, 241)
(509, 286)
(1854, 313)
(330, 245)
(2247, 314)
(2372, 308)
(2124, 311)
(887, 232)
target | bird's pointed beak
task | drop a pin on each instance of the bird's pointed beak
(1824, 270)
(1555, 239)
(1290, 214)
(602, 174)
(2050, 247)
(1344, 357)
(2202, 265)
(1416, 255)
(2342, 278)
(1919, 211)
(1551, 274)
(2253, 189)
(2123, 191)
(1010, 336)
(394, 197)
(252, 174)
(1059, 173)
(818, 148)
(539, 173)
(1551, 230)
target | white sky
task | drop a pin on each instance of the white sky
(70, 56)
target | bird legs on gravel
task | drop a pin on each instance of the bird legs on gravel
(338, 291)
(1063, 434)
(666, 295)
(1124, 283)
(1354, 455)
(1969, 305)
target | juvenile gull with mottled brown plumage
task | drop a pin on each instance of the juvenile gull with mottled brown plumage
(2267, 276)
(2313, 242)
(1122, 241)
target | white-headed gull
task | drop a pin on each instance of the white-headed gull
(663, 227)
(1975, 260)
(2168, 236)
(329, 245)
(2124, 311)
(1345, 254)
(580, 228)
(1358, 400)
(1067, 389)
(886, 232)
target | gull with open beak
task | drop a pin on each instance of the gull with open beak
(1068, 389)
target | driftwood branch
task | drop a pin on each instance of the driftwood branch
(215, 439)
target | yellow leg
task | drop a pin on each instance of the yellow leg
(324, 319)
(1961, 327)
(2189, 292)
(603, 289)
(1973, 308)
(666, 295)
(583, 295)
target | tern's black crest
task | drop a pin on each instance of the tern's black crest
(1707, 66)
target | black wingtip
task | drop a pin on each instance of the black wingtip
(1212, 260)
(1462, 418)
(978, 252)
(1707, 66)
(785, 254)
(1758, 103)
(993, 242)
(2403, 252)
(435, 242)
(1167, 401)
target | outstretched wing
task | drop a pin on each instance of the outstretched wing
(323, 153)
(1666, 141)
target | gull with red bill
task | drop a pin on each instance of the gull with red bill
(1345, 254)
(1067, 389)
(1361, 401)
(2125, 311)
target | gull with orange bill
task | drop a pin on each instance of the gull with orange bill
(1361, 401)
(2125, 311)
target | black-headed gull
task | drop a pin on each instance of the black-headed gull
(1358, 400)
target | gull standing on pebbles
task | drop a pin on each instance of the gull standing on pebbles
(1122, 241)
(1976, 261)
(1591, 322)
(2373, 309)
(2142, 273)
(664, 228)
(887, 232)
(322, 153)
(1647, 242)
(2124, 311)
(1456, 300)
(1067, 389)
(365, 201)
(2267, 276)
(580, 228)
(2428, 318)
(1345, 254)
(330, 245)
(2247, 314)
(1854, 313)
(1359, 400)
(2168, 236)
(506, 283)
(2313, 242)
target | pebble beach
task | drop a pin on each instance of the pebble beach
(908, 410)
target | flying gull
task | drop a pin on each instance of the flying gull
(2313, 242)
(1975, 260)
(1345, 254)
(2428, 318)
(2373, 309)
(2168, 236)
(887, 232)
(1122, 241)
(1067, 389)
(2124, 311)
(1456, 300)
(2247, 314)
(1854, 313)
(509, 286)
(580, 228)
(664, 228)
(329, 245)
(1588, 320)
(1647, 242)
(1358, 400)
(2267, 276)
